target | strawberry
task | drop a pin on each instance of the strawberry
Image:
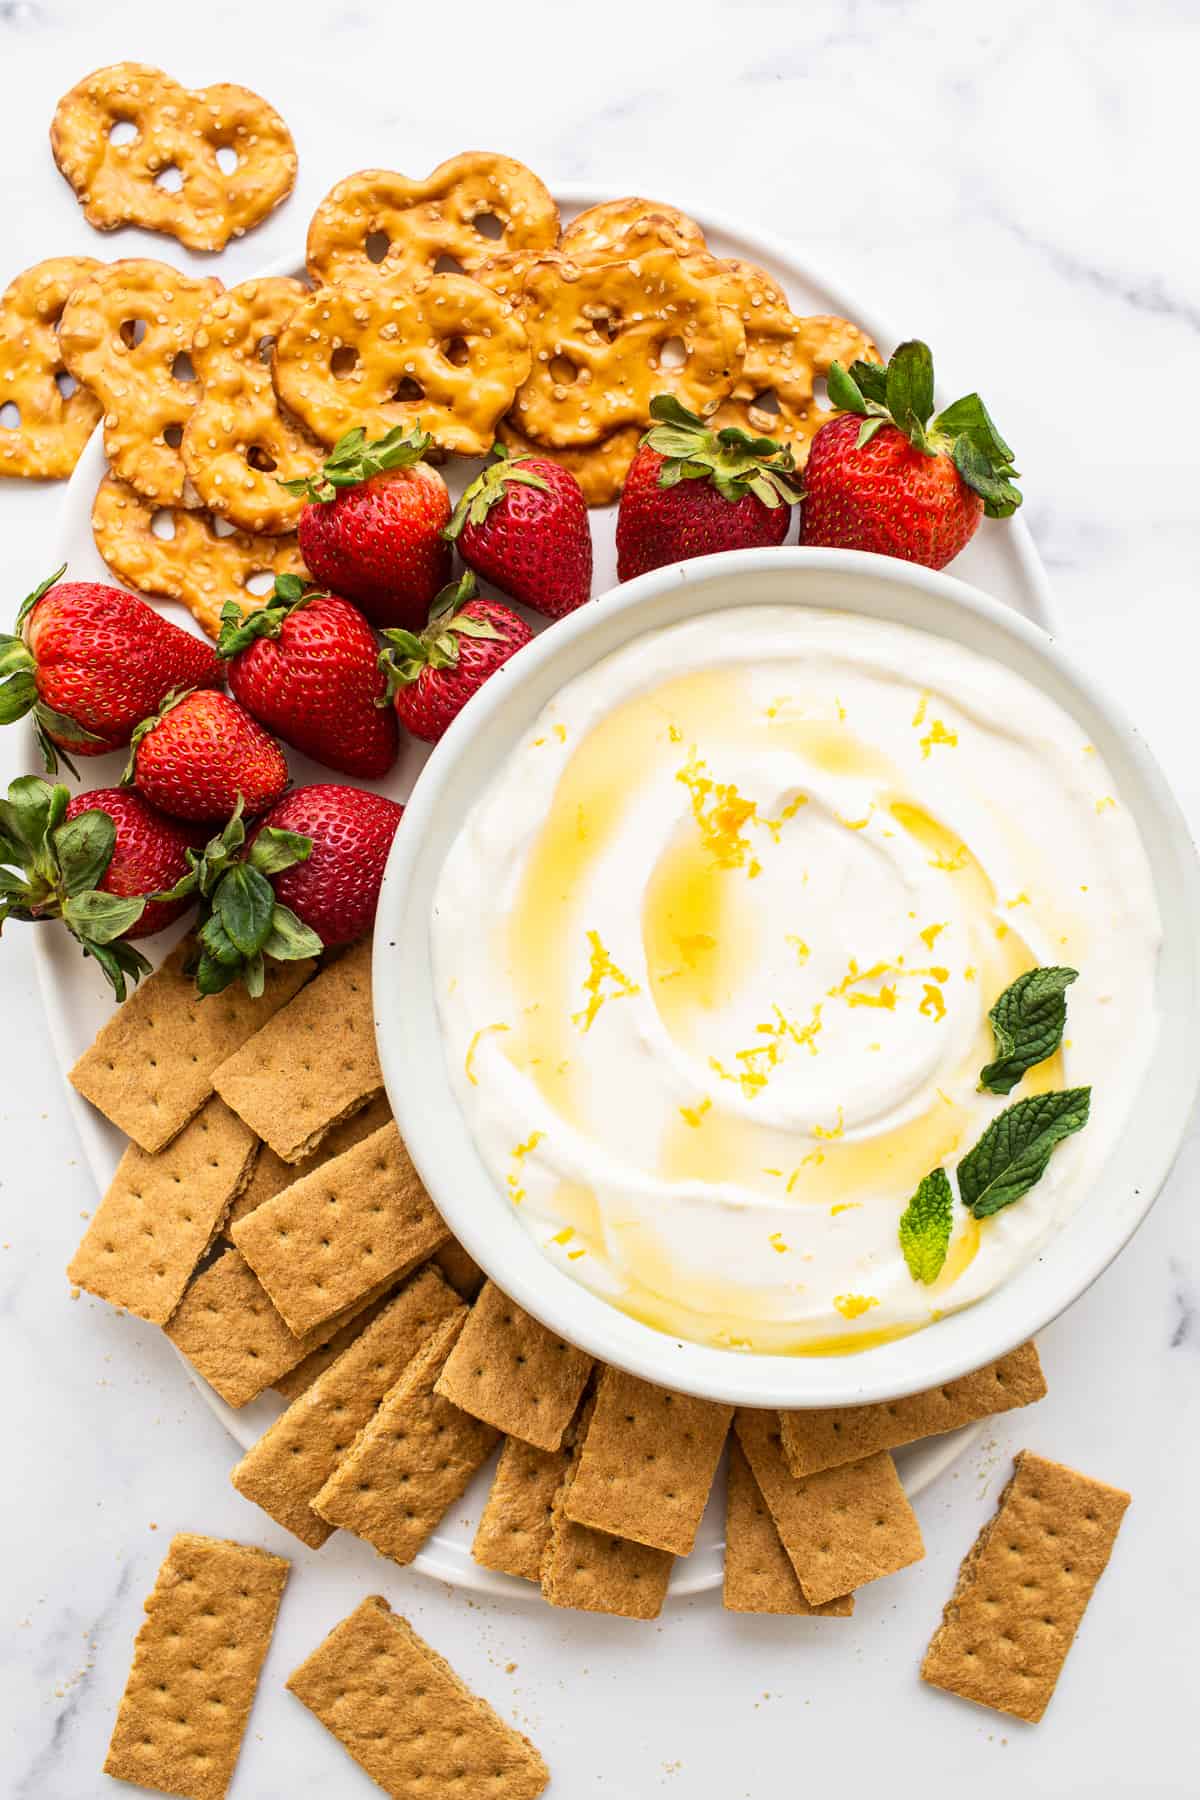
(335, 890)
(691, 491)
(306, 666)
(92, 862)
(523, 525)
(432, 674)
(308, 876)
(887, 476)
(87, 661)
(202, 752)
(373, 527)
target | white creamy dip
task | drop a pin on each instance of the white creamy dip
(715, 952)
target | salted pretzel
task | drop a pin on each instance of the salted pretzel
(440, 352)
(126, 333)
(786, 354)
(124, 182)
(51, 423)
(238, 444)
(191, 562)
(615, 230)
(607, 337)
(600, 468)
(378, 223)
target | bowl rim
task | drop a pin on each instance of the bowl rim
(410, 1040)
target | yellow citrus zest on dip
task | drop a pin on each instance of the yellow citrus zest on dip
(801, 948)
(603, 969)
(931, 934)
(937, 734)
(834, 1131)
(519, 1153)
(922, 707)
(722, 813)
(469, 1060)
(853, 1306)
(776, 1242)
(692, 1115)
(845, 1206)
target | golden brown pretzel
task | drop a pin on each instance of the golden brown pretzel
(126, 333)
(51, 426)
(615, 230)
(440, 352)
(600, 468)
(121, 183)
(378, 223)
(239, 444)
(195, 565)
(602, 336)
(785, 355)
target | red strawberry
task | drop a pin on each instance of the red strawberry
(373, 527)
(432, 674)
(523, 525)
(201, 753)
(306, 666)
(88, 661)
(335, 890)
(887, 476)
(150, 854)
(691, 491)
(90, 861)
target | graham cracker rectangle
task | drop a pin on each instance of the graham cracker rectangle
(150, 1069)
(840, 1528)
(593, 1571)
(359, 1219)
(410, 1462)
(289, 1465)
(1024, 1587)
(826, 1436)
(314, 1064)
(460, 1269)
(402, 1713)
(231, 1334)
(514, 1529)
(511, 1371)
(196, 1662)
(271, 1174)
(758, 1576)
(646, 1465)
(298, 1380)
(161, 1213)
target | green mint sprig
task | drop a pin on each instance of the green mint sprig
(1012, 1155)
(1027, 1022)
(925, 1227)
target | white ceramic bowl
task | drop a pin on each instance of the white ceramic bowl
(414, 1063)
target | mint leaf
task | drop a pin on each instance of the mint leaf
(1027, 1023)
(925, 1226)
(1013, 1152)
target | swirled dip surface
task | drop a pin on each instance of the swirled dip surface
(715, 952)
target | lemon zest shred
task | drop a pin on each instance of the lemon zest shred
(469, 1060)
(853, 1306)
(602, 969)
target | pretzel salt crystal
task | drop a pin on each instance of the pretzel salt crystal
(441, 353)
(602, 336)
(194, 564)
(121, 183)
(238, 445)
(50, 428)
(126, 333)
(377, 223)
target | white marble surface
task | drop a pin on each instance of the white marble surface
(1015, 184)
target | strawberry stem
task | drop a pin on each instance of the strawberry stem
(735, 463)
(352, 460)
